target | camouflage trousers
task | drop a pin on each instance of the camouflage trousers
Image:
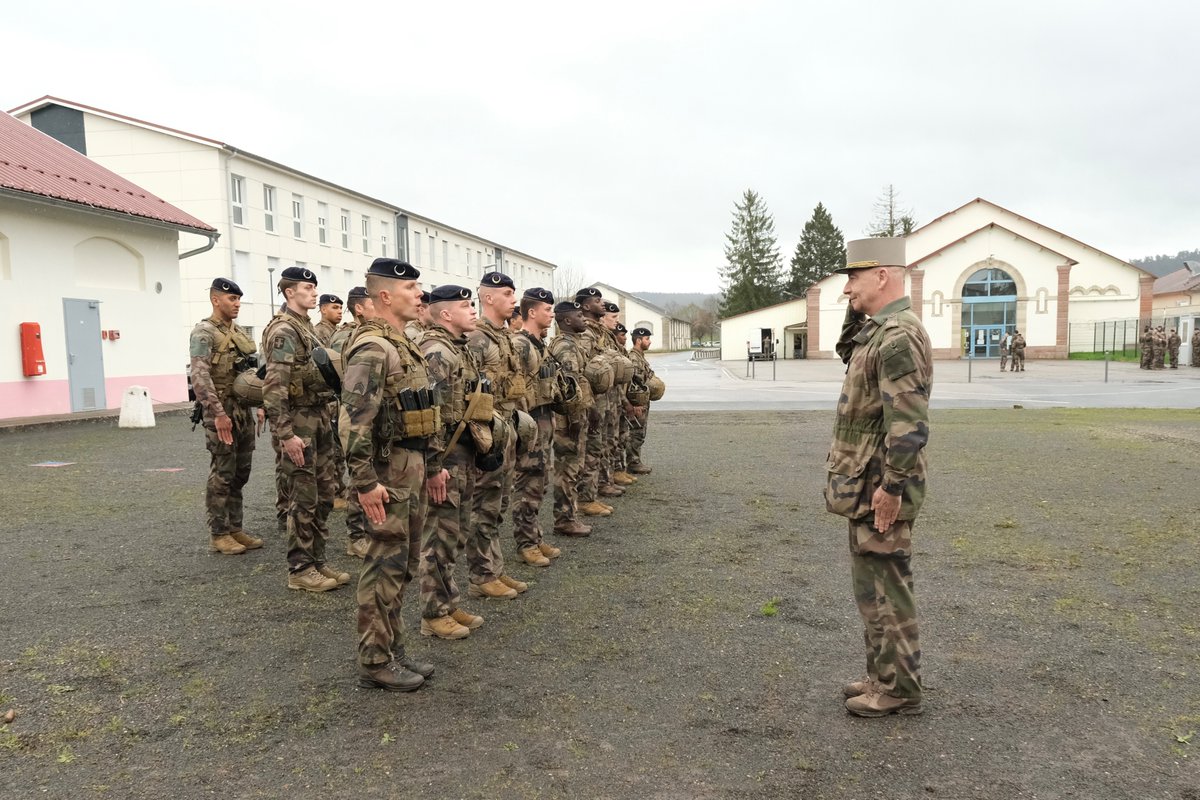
(570, 446)
(310, 488)
(485, 556)
(626, 431)
(883, 590)
(392, 557)
(281, 492)
(1196, 355)
(1018, 360)
(229, 470)
(612, 436)
(529, 481)
(445, 532)
(637, 438)
(1173, 356)
(589, 477)
(1003, 360)
(339, 457)
(1157, 356)
(356, 520)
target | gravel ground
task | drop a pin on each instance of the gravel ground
(693, 647)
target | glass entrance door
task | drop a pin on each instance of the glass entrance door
(985, 340)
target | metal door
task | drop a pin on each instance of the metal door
(85, 360)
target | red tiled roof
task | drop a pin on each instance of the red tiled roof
(32, 162)
(1184, 279)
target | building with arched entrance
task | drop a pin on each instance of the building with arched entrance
(981, 271)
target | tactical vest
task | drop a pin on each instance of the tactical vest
(408, 408)
(510, 383)
(306, 387)
(337, 342)
(230, 349)
(454, 396)
(542, 389)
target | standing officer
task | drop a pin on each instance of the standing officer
(297, 401)
(876, 468)
(219, 351)
(1173, 342)
(362, 309)
(387, 433)
(1018, 351)
(450, 465)
(330, 306)
(529, 481)
(492, 350)
(640, 418)
(569, 349)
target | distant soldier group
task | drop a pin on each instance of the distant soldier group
(1159, 346)
(1012, 348)
(444, 422)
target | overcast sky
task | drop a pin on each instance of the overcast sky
(615, 137)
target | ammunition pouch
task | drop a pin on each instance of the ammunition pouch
(517, 387)
(483, 409)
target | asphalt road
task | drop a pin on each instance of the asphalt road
(799, 385)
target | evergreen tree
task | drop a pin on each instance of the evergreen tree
(820, 251)
(752, 276)
(890, 218)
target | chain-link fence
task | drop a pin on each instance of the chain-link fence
(1114, 335)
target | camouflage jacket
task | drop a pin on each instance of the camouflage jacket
(324, 331)
(414, 329)
(337, 342)
(372, 377)
(1173, 342)
(641, 367)
(882, 423)
(451, 368)
(1018, 343)
(570, 351)
(492, 349)
(292, 380)
(216, 355)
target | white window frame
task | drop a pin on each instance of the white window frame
(297, 216)
(269, 208)
(345, 229)
(323, 223)
(366, 235)
(383, 226)
(237, 199)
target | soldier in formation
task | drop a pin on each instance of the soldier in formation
(220, 350)
(362, 310)
(1146, 343)
(330, 308)
(876, 468)
(1173, 343)
(1196, 347)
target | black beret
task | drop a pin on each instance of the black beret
(299, 274)
(621, 328)
(566, 306)
(227, 286)
(424, 298)
(538, 293)
(394, 268)
(498, 280)
(611, 308)
(443, 294)
(590, 291)
(357, 293)
(329, 299)
(637, 332)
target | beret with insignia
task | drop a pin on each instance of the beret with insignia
(329, 299)
(444, 294)
(497, 280)
(590, 291)
(357, 292)
(394, 268)
(621, 328)
(565, 307)
(540, 294)
(611, 308)
(299, 274)
(227, 286)
(637, 332)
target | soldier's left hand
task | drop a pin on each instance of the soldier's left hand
(372, 504)
(886, 507)
(261, 423)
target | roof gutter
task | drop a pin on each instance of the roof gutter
(212, 242)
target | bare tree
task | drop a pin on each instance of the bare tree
(891, 219)
(568, 279)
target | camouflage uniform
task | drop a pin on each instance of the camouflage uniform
(570, 351)
(637, 432)
(1004, 345)
(879, 440)
(447, 525)
(595, 471)
(297, 401)
(1147, 344)
(529, 482)
(1173, 342)
(217, 351)
(1159, 348)
(356, 522)
(414, 329)
(614, 452)
(491, 348)
(379, 363)
(324, 331)
(1196, 348)
(1018, 352)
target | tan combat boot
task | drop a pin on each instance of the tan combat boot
(878, 704)
(226, 545)
(466, 619)
(595, 509)
(514, 584)
(609, 490)
(342, 578)
(443, 628)
(640, 469)
(358, 547)
(549, 550)
(623, 479)
(573, 528)
(310, 580)
(391, 676)
(246, 540)
(340, 504)
(533, 556)
(858, 687)
(493, 589)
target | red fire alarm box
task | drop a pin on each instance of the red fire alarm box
(31, 349)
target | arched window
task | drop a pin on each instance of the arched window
(990, 283)
(989, 311)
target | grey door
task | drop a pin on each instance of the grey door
(85, 360)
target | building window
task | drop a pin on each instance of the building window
(432, 251)
(241, 273)
(237, 198)
(322, 223)
(269, 208)
(446, 256)
(383, 244)
(297, 216)
(366, 236)
(345, 229)
(414, 253)
(348, 276)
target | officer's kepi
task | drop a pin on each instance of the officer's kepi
(878, 251)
